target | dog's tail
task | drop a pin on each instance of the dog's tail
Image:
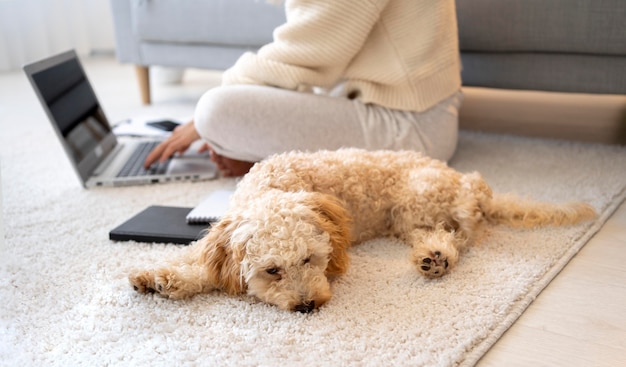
(514, 211)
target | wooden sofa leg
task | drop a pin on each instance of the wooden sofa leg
(143, 77)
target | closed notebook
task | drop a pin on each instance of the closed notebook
(212, 208)
(164, 224)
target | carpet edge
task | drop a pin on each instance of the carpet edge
(479, 351)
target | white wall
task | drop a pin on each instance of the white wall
(34, 29)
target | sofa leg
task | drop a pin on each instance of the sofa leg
(143, 77)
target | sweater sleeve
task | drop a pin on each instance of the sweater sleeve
(312, 48)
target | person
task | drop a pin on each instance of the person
(372, 74)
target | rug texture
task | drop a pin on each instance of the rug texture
(66, 299)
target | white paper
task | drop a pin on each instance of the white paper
(136, 127)
(212, 208)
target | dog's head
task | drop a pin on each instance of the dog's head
(281, 248)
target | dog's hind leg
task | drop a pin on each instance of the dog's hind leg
(435, 251)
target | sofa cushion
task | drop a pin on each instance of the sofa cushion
(554, 26)
(240, 22)
(555, 45)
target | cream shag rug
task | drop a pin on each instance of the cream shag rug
(66, 300)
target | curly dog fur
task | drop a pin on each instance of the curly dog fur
(293, 218)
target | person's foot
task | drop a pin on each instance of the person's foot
(230, 167)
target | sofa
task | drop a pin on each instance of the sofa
(552, 68)
(205, 34)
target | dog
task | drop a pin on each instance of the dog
(294, 216)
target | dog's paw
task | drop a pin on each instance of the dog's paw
(159, 282)
(434, 260)
(435, 253)
(434, 265)
(142, 282)
(167, 282)
(169, 285)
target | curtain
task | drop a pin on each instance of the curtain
(34, 29)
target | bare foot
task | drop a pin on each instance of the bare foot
(231, 167)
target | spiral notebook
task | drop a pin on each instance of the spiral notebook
(211, 209)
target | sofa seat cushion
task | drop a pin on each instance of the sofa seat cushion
(245, 23)
(574, 73)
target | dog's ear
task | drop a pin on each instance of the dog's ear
(333, 218)
(222, 257)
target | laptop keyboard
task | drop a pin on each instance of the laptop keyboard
(134, 166)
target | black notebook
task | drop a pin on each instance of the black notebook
(165, 224)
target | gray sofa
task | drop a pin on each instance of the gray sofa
(516, 54)
(206, 34)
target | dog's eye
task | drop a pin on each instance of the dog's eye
(307, 260)
(272, 271)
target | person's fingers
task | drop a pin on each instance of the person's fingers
(155, 154)
(175, 146)
(180, 140)
(165, 150)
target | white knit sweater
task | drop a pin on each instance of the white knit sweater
(401, 54)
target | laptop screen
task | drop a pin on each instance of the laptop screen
(72, 106)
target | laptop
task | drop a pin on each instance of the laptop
(96, 154)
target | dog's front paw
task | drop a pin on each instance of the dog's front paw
(143, 282)
(163, 282)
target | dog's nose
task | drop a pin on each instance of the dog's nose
(305, 307)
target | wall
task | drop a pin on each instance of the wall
(34, 29)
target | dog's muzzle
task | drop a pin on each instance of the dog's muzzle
(305, 307)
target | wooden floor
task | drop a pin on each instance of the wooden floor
(578, 320)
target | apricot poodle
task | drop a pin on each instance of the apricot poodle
(294, 216)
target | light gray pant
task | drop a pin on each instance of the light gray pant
(250, 122)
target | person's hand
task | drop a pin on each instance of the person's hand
(180, 140)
